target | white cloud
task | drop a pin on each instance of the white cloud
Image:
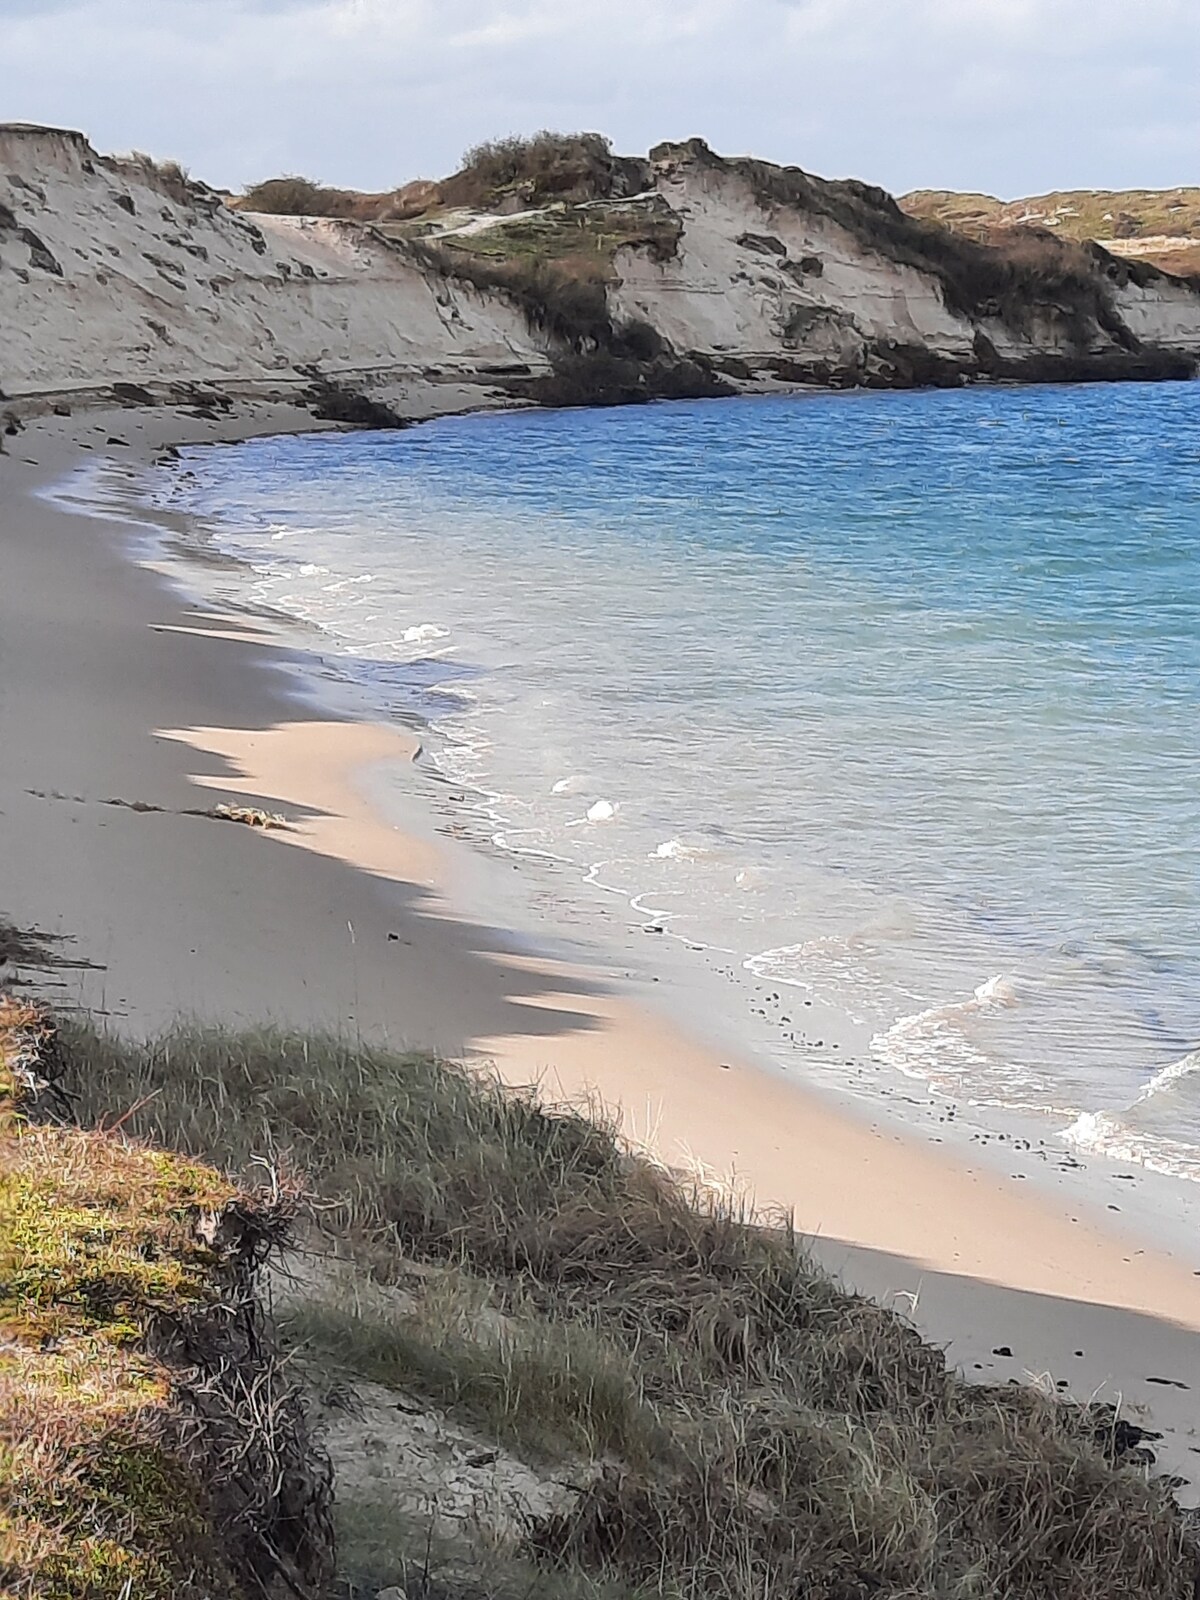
(1007, 95)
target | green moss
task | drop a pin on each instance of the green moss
(98, 1239)
(96, 1236)
(146, 1509)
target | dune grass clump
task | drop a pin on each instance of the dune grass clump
(597, 361)
(538, 1384)
(128, 1464)
(293, 196)
(753, 1428)
(540, 167)
(170, 178)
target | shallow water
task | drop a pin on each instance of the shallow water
(894, 697)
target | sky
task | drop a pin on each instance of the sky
(1011, 97)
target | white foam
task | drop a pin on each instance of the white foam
(932, 1045)
(1170, 1075)
(423, 632)
(676, 850)
(997, 992)
(567, 786)
(602, 811)
(310, 569)
(1106, 1133)
(346, 583)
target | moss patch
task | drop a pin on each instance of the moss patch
(112, 1265)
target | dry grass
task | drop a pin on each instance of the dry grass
(542, 1385)
(293, 196)
(581, 241)
(597, 361)
(25, 947)
(1080, 214)
(795, 1440)
(571, 310)
(391, 1548)
(168, 177)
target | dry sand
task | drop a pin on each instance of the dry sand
(114, 687)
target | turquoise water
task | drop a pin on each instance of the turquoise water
(893, 697)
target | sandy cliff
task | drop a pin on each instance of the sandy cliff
(714, 275)
(812, 279)
(111, 271)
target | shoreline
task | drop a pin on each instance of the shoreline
(708, 987)
(117, 687)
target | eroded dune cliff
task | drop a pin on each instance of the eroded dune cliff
(698, 275)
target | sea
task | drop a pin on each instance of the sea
(889, 702)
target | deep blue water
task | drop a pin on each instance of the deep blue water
(894, 696)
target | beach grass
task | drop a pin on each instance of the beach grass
(750, 1427)
(540, 1385)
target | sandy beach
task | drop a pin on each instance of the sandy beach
(126, 708)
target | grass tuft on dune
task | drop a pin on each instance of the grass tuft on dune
(736, 1423)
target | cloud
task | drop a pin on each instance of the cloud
(1012, 96)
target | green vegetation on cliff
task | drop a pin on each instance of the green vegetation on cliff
(557, 222)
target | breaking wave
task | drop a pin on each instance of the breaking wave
(1117, 1136)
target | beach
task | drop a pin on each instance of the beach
(128, 709)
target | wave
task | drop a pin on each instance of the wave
(780, 964)
(933, 1044)
(1102, 1133)
(347, 583)
(842, 960)
(423, 633)
(1111, 1134)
